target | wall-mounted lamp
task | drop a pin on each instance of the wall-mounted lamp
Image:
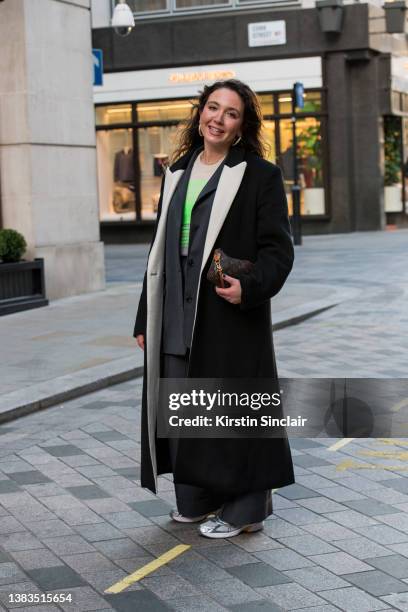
(395, 16)
(123, 21)
(330, 15)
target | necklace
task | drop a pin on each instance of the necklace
(207, 163)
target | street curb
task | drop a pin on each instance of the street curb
(64, 388)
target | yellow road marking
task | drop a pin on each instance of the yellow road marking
(393, 442)
(350, 464)
(147, 569)
(403, 455)
(340, 444)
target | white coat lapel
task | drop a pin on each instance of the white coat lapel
(170, 183)
(228, 186)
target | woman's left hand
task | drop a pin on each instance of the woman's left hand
(233, 293)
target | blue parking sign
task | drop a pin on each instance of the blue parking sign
(97, 55)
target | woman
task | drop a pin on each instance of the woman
(220, 193)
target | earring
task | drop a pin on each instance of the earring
(237, 141)
(199, 130)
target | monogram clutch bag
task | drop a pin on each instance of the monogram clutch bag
(223, 264)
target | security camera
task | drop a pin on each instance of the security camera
(122, 19)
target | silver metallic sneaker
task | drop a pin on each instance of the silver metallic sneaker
(215, 527)
(179, 518)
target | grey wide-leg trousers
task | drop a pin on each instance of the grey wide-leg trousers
(194, 501)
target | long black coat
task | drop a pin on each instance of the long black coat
(249, 220)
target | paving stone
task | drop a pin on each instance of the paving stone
(228, 555)
(130, 601)
(278, 528)
(96, 471)
(383, 534)
(256, 541)
(154, 539)
(88, 561)
(78, 516)
(295, 491)
(397, 520)
(363, 548)
(316, 578)
(169, 587)
(84, 598)
(108, 436)
(200, 602)
(88, 492)
(120, 548)
(19, 587)
(376, 582)
(341, 563)
(72, 545)
(352, 599)
(107, 506)
(398, 484)
(299, 516)
(197, 570)
(35, 559)
(133, 473)
(307, 545)
(19, 541)
(340, 493)
(395, 565)
(290, 596)
(8, 486)
(308, 461)
(10, 573)
(49, 528)
(303, 443)
(398, 600)
(101, 580)
(350, 518)
(156, 507)
(63, 450)
(98, 532)
(370, 507)
(50, 578)
(30, 477)
(126, 520)
(229, 592)
(255, 606)
(258, 574)
(320, 504)
(330, 532)
(9, 524)
(283, 559)
(44, 490)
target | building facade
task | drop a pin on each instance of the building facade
(352, 137)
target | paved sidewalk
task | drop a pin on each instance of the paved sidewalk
(74, 520)
(82, 343)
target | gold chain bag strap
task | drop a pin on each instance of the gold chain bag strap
(223, 264)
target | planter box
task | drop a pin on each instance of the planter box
(22, 286)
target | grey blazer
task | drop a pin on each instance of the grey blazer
(182, 274)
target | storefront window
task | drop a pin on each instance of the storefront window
(266, 102)
(177, 110)
(270, 140)
(147, 6)
(156, 146)
(186, 4)
(118, 113)
(309, 163)
(393, 164)
(116, 175)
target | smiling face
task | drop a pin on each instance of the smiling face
(221, 118)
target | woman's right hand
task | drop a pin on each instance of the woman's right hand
(140, 341)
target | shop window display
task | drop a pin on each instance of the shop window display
(135, 143)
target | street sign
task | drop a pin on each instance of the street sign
(97, 55)
(298, 95)
(266, 33)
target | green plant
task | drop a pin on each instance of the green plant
(12, 245)
(392, 151)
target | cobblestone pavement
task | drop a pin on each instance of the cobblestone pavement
(74, 519)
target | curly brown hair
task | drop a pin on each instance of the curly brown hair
(252, 139)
